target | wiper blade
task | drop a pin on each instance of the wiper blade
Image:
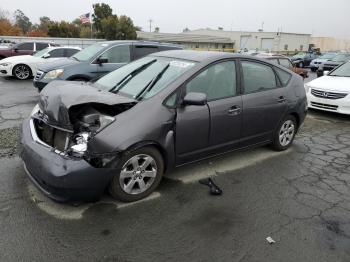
(151, 84)
(128, 77)
(75, 58)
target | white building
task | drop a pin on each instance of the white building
(281, 42)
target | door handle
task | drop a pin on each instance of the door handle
(281, 99)
(234, 110)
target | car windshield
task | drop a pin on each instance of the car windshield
(41, 52)
(89, 52)
(299, 56)
(341, 58)
(343, 70)
(327, 56)
(145, 77)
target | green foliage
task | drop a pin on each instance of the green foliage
(44, 23)
(22, 21)
(114, 28)
(63, 29)
(101, 11)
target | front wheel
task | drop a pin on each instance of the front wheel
(139, 173)
(22, 72)
(284, 136)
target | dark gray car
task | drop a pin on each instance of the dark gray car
(97, 60)
(162, 111)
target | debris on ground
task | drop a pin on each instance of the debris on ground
(214, 189)
(270, 240)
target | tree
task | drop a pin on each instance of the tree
(114, 28)
(156, 29)
(85, 32)
(186, 30)
(36, 33)
(22, 21)
(6, 28)
(101, 11)
(44, 23)
(63, 29)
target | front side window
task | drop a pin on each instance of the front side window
(89, 52)
(145, 77)
(117, 54)
(257, 77)
(341, 58)
(286, 63)
(70, 51)
(283, 75)
(141, 51)
(218, 81)
(41, 52)
(25, 46)
(274, 60)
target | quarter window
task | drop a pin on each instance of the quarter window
(218, 81)
(286, 63)
(257, 77)
(118, 54)
(283, 75)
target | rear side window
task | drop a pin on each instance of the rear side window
(57, 53)
(141, 51)
(274, 60)
(283, 75)
(41, 46)
(118, 54)
(25, 46)
(257, 77)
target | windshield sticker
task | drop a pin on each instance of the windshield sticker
(181, 64)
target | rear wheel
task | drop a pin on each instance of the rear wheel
(313, 69)
(22, 72)
(139, 173)
(284, 136)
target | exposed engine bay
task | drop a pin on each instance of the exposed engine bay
(86, 120)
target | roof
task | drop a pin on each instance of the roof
(198, 56)
(183, 37)
(136, 42)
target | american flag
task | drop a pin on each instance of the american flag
(85, 18)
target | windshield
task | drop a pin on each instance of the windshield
(300, 55)
(41, 52)
(144, 77)
(327, 56)
(343, 70)
(341, 58)
(89, 52)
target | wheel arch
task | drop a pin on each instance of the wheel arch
(79, 76)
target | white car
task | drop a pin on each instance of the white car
(318, 61)
(331, 92)
(25, 66)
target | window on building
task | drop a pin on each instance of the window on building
(286, 47)
(301, 47)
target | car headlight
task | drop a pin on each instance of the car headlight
(5, 64)
(105, 121)
(35, 110)
(307, 87)
(54, 74)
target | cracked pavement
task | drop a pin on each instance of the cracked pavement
(301, 198)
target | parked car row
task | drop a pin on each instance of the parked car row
(145, 113)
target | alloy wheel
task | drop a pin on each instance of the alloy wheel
(22, 72)
(138, 174)
(286, 133)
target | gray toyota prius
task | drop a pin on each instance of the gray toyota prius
(165, 110)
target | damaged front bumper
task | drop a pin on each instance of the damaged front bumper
(59, 176)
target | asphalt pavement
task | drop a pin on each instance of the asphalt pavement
(300, 198)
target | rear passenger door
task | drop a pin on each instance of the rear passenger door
(116, 56)
(264, 101)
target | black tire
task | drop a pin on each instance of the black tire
(115, 187)
(313, 69)
(22, 72)
(277, 144)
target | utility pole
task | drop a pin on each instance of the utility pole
(150, 24)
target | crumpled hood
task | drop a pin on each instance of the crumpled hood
(57, 64)
(59, 96)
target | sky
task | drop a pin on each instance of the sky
(320, 18)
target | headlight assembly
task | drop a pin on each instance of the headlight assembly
(54, 74)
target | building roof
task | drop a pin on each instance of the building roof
(183, 37)
(209, 31)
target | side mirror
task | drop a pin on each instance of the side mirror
(101, 60)
(325, 73)
(196, 99)
(15, 49)
(46, 56)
